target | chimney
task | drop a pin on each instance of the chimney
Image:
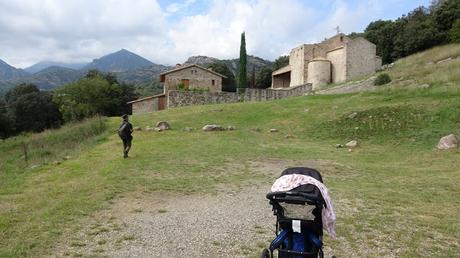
(178, 65)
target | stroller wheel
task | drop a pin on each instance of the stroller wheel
(265, 253)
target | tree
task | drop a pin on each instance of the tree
(445, 14)
(280, 62)
(242, 75)
(228, 84)
(97, 93)
(5, 122)
(454, 33)
(30, 109)
(418, 33)
(382, 34)
(264, 78)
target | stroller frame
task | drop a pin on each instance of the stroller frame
(311, 230)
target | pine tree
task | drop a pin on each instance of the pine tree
(242, 76)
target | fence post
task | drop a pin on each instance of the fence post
(24, 149)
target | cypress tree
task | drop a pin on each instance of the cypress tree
(242, 76)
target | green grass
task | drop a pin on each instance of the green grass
(394, 190)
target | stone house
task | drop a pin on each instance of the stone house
(334, 60)
(191, 77)
(186, 78)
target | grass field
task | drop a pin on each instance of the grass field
(395, 190)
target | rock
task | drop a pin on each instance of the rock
(445, 60)
(163, 126)
(353, 115)
(338, 146)
(306, 110)
(425, 86)
(288, 136)
(210, 128)
(66, 157)
(34, 166)
(352, 144)
(189, 129)
(137, 128)
(56, 162)
(273, 130)
(448, 142)
(231, 128)
(350, 150)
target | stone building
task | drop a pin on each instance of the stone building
(334, 60)
(189, 77)
(182, 78)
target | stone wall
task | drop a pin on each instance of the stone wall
(145, 105)
(272, 94)
(189, 98)
(338, 58)
(361, 58)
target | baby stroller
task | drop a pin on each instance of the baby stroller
(299, 214)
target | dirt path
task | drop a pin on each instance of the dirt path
(234, 222)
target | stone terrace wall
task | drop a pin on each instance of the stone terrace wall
(271, 94)
(188, 98)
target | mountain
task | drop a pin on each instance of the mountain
(142, 75)
(119, 61)
(8, 72)
(53, 77)
(232, 64)
(46, 64)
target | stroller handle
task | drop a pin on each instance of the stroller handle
(295, 197)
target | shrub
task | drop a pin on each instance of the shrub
(382, 79)
(454, 33)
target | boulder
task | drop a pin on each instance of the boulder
(273, 130)
(163, 125)
(137, 128)
(448, 142)
(210, 128)
(353, 115)
(352, 144)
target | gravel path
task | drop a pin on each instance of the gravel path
(234, 222)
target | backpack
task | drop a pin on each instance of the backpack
(121, 130)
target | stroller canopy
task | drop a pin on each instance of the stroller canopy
(308, 184)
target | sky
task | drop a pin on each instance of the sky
(168, 32)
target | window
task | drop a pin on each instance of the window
(213, 82)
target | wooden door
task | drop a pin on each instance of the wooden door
(186, 83)
(161, 102)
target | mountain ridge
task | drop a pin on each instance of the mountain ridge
(127, 66)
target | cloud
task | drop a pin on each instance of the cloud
(80, 30)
